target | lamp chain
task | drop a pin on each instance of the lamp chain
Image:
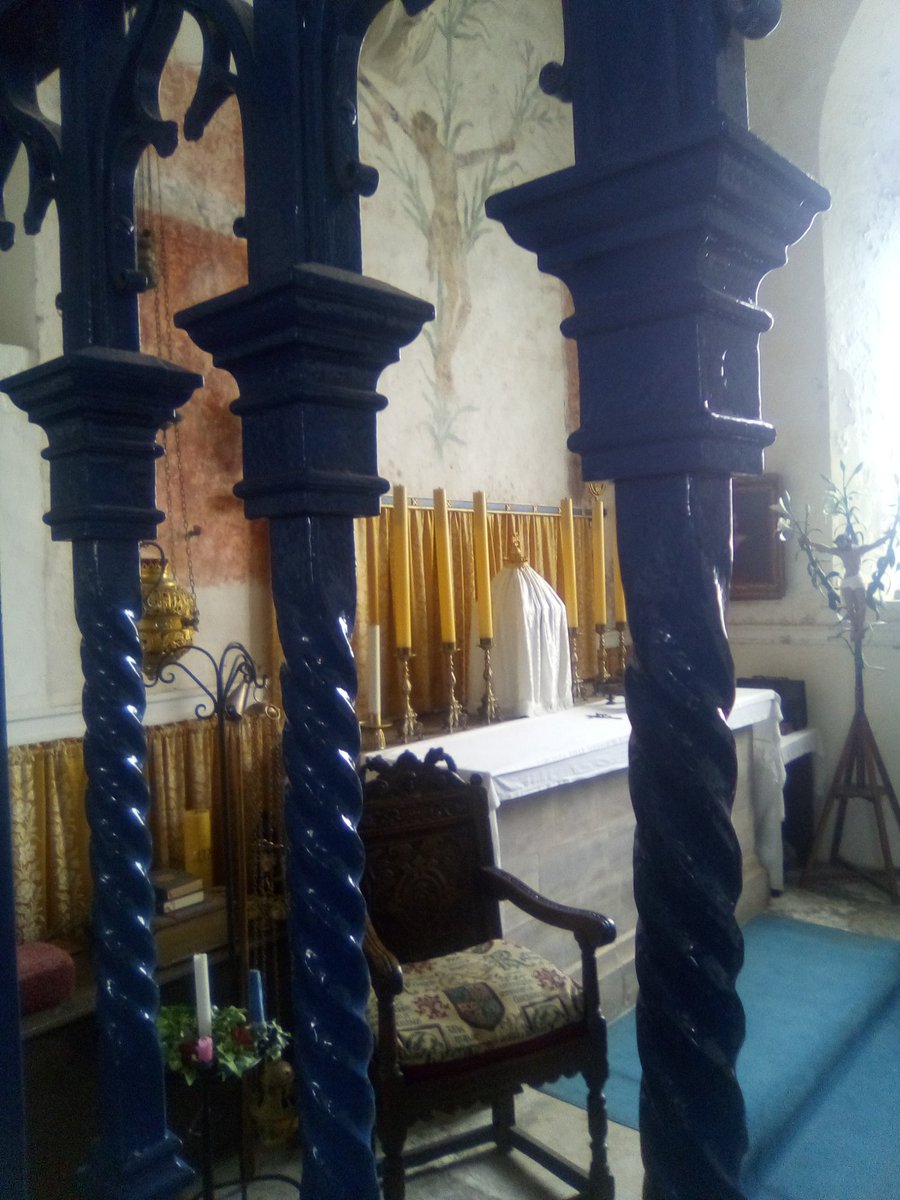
(156, 261)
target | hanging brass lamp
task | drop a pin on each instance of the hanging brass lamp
(168, 611)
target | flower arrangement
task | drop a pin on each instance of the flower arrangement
(238, 1044)
(849, 596)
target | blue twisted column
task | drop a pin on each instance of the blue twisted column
(101, 410)
(307, 350)
(687, 861)
(313, 584)
(663, 231)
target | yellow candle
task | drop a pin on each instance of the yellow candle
(598, 548)
(372, 570)
(482, 568)
(444, 567)
(375, 672)
(567, 531)
(618, 590)
(400, 569)
(197, 834)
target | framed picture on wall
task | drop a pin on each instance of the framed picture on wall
(758, 572)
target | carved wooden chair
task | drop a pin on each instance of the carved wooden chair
(462, 1017)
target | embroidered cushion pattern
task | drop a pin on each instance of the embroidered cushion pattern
(478, 1000)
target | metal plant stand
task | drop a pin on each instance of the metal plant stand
(860, 775)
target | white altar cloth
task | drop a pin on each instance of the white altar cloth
(522, 757)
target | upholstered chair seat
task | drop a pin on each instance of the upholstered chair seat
(463, 1017)
(487, 1000)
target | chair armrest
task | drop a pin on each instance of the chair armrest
(384, 967)
(591, 929)
(387, 982)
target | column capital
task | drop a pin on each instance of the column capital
(307, 349)
(663, 253)
(101, 410)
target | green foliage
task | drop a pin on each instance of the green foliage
(443, 414)
(239, 1046)
(530, 111)
(840, 504)
(839, 501)
(823, 581)
(459, 171)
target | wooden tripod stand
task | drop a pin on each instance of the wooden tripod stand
(860, 774)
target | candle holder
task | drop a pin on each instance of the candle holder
(205, 1074)
(237, 1046)
(457, 717)
(602, 659)
(621, 649)
(489, 710)
(410, 729)
(372, 732)
(577, 681)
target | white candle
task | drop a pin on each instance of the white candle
(482, 569)
(444, 557)
(375, 672)
(201, 995)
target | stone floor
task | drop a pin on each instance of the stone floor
(839, 899)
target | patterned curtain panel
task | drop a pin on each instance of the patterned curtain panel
(50, 832)
(50, 840)
(539, 538)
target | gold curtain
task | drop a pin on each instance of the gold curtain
(538, 535)
(51, 870)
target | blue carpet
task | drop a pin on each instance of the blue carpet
(820, 1068)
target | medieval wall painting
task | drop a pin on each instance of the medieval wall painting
(451, 111)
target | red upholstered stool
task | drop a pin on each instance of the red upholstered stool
(46, 976)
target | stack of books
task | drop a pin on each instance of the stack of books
(176, 889)
(189, 920)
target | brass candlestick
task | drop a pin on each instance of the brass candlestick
(457, 718)
(373, 732)
(622, 649)
(410, 729)
(577, 681)
(489, 711)
(602, 658)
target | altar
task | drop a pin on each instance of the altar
(558, 786)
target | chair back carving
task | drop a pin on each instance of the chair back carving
(426, 833)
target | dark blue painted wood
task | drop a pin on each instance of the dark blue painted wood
(306, 350)
(101, 410)
(309, 420)
(101, 405)
(306, 342)
(13, 1160)
(662, 231)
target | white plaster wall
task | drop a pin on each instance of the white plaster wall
(860, 152)
(43, 673)
(508, 411)
(41, 639)
(823, 92)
